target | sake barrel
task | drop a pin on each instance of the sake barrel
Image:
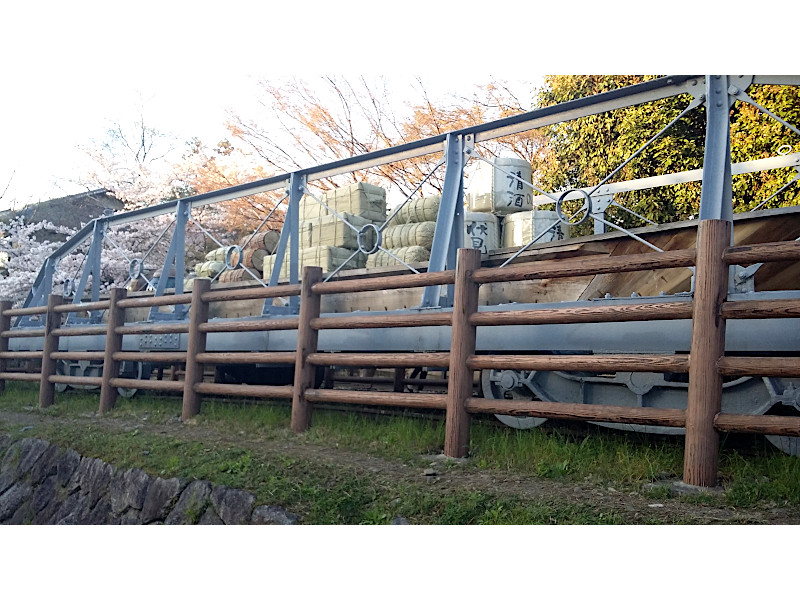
(523, 227)
(481, 231)
(496, 188)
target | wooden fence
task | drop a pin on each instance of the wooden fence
(706, 363)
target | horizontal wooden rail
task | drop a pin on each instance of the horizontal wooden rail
(249, 391)
(378, 398)
(663, 417)
(382, 321)
(599, 363)
(21, 376)
(255, 293)
(761, 424)
(761, 309)
(147, 301)
(392, 282)
(147, 384)
(390, 360)
(249, 325)
(24, 332)
(85, 306)
(433, 382)
(75, 380)
(23, 312)
(767, 252)
(78, 355)
(21, 354)
(139, 328)
(585, 314)
(246, 358)
(80, 331)
(154, 357)
(583, 266)
(765, 366)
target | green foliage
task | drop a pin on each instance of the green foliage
(586, 150)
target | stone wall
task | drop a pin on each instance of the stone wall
(43, 484)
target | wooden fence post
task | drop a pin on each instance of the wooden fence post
(196, 344)
(47, 390)
(5, 325)
(701, 452)
(116, 318)
(306, 344)
(462, 346)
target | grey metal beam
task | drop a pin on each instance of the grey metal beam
(716, 196)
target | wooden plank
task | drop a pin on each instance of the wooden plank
(759, 424)
(5, 325)
(254, 293)
(387, 360)
(76, 380)
(772, 366)
(80, 331)
(85, 306)
(462, 347)
(664, 417)
(574, 267)
(23, 312)
(377, 398)
(246, 358)
(598, 363)
(382, 321)
(21, 376)
(47, 390)
(23, 332)
(707, 348)
(586, 314)
(761, 309)
(767, 252)
(385, 283)
(152, 357)
(246, 391)
(20, 354)
(116, 318)
(250, 325)
(195, 345)
(149, 301)
(139, 328)
(79, 355)
(307, 337)
(147, 384)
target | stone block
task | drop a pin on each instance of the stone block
(191, 505)
(273, 515)
(12, 499)
(233, 506)
(160, 497)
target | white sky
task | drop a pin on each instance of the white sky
(68, 70)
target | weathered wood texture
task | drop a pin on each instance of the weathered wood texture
(147, 384)
(248, 391)
(384, 283)
(198, 315)
(382, 321)
(377, 399)
(598, 363)
(83, 307)
(462, 347)
(387, 360)
(761, 309)
(665, 417)
(586, 314)
(765, 366)
(574, 267)
(47, 390)
(307, 337)
(5, 325)
(707, 347)
(247, 358)
(153, 357)
(759, 424)
(79, 355)
(252, 325)
(116, 318)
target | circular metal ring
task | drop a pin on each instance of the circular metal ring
(135, 268)
(362, 234)
(587, 207)
(784, 150)
(233, 257)
(67, 288)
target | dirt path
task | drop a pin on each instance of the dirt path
(449, 477)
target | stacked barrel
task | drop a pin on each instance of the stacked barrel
(326, 240)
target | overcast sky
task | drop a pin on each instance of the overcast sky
(70, 69)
